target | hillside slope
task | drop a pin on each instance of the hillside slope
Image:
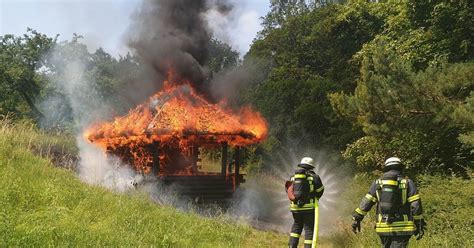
(41, 205)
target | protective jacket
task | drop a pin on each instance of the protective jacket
(407, 201)
(316, 190)
(303, 212)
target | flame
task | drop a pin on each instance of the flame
(172, 123)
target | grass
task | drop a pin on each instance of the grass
(448, 204)
(41, 205)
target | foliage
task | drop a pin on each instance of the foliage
(20, 58)
(429, 32)
(408, 113)
(311, 56)
(221, 56)
(369, 79)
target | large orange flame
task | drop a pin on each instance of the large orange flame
(176, 117)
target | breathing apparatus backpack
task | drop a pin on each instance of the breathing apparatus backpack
(390, 194)
(298, 189)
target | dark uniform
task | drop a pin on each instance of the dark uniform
(394, 229)
(303, 213)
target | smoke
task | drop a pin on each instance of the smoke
(228, 82)
(263, 201)
(73, 85)
(173, 36)
(168, 36)
(109, 172)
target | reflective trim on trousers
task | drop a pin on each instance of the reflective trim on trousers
(295, 235)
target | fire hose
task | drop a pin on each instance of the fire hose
(316, 223)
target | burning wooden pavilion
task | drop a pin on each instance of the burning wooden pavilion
(165, 136)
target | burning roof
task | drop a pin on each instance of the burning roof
(178, 112)
(170, 126)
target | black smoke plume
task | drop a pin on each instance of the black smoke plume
(173, 34)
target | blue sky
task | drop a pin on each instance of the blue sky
(103, 23)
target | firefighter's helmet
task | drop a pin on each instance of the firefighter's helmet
(393, 163)
(306, 163)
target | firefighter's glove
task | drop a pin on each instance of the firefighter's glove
(356, 226)
(420, 229)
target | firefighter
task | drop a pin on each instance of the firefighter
(307, 188)
(398, 212)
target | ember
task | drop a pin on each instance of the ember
(164, 134)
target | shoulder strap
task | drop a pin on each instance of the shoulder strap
(402, 184)
(379, 187)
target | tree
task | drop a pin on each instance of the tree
(427, 32)
(221, 56)
(409, 114)
(311, 56)
(20, 59)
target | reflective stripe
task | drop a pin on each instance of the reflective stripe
(360, 211)
(403, 187)
(300, 176)
(418, 217)
(403, 184)
(395, 224)
(413, 198)
(320, 189)
(294, 235)
(394, 229)
(301, 209)
(310, 178)
(389, 182)
(308, 242)
(307, 206)
(371, 198)
(311, 186)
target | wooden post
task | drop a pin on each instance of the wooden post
(155, 154)
(194, 158)
(224, 159)
(237, 166)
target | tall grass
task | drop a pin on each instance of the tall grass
(60, 148)
(448, 204)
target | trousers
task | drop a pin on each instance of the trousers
(395, 241)
(302, 220)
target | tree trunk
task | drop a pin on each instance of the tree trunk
(30, 103)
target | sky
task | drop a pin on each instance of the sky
(103, 23)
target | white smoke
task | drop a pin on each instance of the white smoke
(73, 84)
(95, 168)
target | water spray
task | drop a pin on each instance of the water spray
(263, 200)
